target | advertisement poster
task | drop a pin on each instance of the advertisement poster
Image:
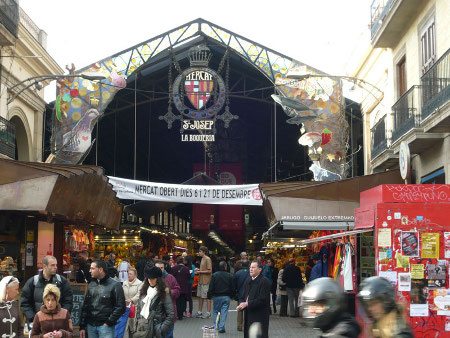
(447, 244)
(410, 244)
(417, 271)
(384, 237)
(384, 255)
(430, 245)
(402, 262)
(404, 282)
(436, 274)
(418, 310)
(419, 291)
(441, 302)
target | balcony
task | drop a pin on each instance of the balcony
(379, 138)
(7, 138)
(406, 113)
(436, 92)
(390, 19)
(9, 21)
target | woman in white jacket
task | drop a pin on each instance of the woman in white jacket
(131, 289)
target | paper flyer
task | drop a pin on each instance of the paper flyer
(447, 244)
(447, 324)
(391, 276)
(417, 271)
(384, 237)
(384, 255)
(404, 281)
(410, 243)
(402, 262)
(418, 310)
(430, 245)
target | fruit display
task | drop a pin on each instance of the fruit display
(8, 266)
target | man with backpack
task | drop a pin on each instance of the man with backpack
(33, 290)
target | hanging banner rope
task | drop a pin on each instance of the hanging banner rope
(247, 194)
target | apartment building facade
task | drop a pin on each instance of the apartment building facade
(406, 54)
(23, 56)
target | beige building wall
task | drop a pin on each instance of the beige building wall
(27, 58)
(378, 67)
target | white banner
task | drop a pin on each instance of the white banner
(247, 194)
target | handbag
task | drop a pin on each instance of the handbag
(132, 313)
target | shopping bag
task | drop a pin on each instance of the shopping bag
(299, 300)
(132, 313)
(122, 324)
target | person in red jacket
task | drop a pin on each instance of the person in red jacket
(174, 291)
(182, 275)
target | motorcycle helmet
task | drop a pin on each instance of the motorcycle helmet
(326, 294)
(377, 289)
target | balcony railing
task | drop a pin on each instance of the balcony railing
(7, 138)
(406, 112)
(379, 138)
(378, 11)
(9, 15)
(436, 85)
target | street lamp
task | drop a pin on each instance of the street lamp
(34, 81)
(355, 80)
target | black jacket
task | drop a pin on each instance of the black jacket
(162, 313)
(239, 279)
(112, 271)
(257, 292)
(345, 326)
(274, 284)
(104, 303)
(292, 276)
(140, 267)
(31, 297)
(84, 274)
(221, 285)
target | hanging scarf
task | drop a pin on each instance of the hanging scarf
(151, 293)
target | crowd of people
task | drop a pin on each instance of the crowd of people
(147, 301)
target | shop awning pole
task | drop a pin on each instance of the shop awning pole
(265, 234)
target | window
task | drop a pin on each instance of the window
(428, 45)
(401, 76)
(436, 177)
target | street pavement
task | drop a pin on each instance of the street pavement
(278, 326)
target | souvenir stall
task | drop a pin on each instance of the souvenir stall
(411, 248)
(126, 245)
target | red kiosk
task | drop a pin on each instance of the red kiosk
(411, 225)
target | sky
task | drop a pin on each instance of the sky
(320, 33)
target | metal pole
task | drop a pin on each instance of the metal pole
(135, 125)
(351, 141)
(115, 138)
(149, 139)
(275, 135)
(96, 143)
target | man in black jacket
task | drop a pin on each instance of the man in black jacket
(221, 288)
(256, 300)
(292, 276)
(31, 297)
(103, 305)
(111, 270)
(83, 274)
(239, 280)
(274, 285)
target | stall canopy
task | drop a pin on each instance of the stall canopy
(73, 193)
(319, 205)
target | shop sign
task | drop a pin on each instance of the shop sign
(317, 218)
(247, 194)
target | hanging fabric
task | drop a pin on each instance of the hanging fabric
(337, 262)
(347, 268)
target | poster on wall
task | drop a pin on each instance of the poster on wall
(384, 237)
(402, 262)
(404, 282)
(430, 245)
(417, 271)
(419, 294)
(447, 244)
(436, 275)
(410, 243)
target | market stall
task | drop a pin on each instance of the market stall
(411, 248)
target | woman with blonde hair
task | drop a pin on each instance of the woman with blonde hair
(131, 290)
(52, 320)
(10, 323)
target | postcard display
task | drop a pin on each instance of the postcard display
(411, 226)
